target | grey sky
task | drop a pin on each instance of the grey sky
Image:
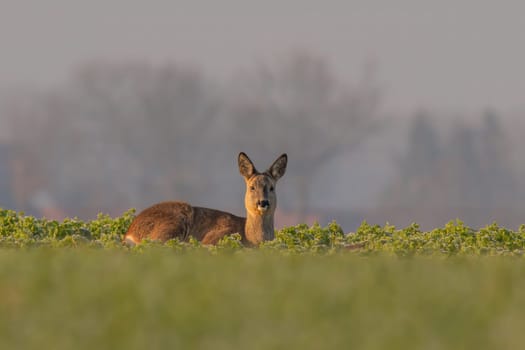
(449, 54)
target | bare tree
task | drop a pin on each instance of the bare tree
(160, 115)
(301, 108)
(467, 174)
(499, 181)
(418, 173)
(119, 135)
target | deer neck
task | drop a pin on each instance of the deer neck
(259, 228)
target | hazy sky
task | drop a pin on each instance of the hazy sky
(447, 54)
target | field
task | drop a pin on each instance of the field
(71, 285)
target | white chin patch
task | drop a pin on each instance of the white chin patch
(262, 210)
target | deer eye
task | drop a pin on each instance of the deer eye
(271, 189)
(252, 188)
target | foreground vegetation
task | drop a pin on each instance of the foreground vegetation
(19, 231)
(73, 285)
(107, 299)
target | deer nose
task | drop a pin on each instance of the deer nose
(263, 204)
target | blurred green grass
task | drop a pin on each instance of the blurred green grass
(158, 299)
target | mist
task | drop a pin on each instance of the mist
(390, 112)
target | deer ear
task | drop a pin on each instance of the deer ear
(278, 167)
(246, 167)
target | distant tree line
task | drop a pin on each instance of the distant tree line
(121, 135)
(468, 166)
(129, 134)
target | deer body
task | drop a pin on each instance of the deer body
(169, 220)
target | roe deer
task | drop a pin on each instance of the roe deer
(168, 220)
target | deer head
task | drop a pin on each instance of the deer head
(260, 199)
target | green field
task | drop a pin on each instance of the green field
(100, 299)
(73, 285)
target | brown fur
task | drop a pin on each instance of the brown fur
(169, 220)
